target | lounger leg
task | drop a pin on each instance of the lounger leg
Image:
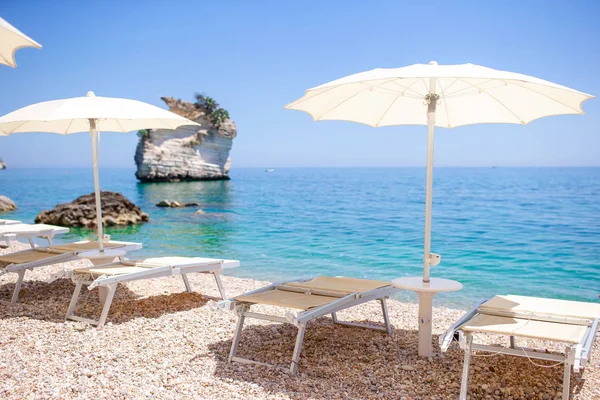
(102, 293)
(15, 296)
(30, 240)
(237, 336)
(109, 298)
(297, 349)
(334, 318)
(74, 298)
(512, 342)
(465, 375)
(186, 282)
(567, 375)
(386, 317)
(220, 285)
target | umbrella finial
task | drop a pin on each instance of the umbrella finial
(433, 63)
(90, 94)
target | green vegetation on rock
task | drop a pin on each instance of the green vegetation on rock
(216, 113)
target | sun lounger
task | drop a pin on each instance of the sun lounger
(21, 261)
(315, 298)
(108, 276)
(570, 322)
(10, 231)
(9, 222)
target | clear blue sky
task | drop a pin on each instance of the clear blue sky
(256, 56)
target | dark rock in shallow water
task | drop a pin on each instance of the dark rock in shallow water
(175, 204)
(116, 210)
(7, 204)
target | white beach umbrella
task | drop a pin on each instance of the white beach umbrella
(11, 40)
(446, 96)
(93, 114)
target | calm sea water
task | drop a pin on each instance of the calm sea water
(499, 230)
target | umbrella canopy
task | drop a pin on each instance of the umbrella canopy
(466, 94)
(437, 95)
(93, 114)
(11, 40)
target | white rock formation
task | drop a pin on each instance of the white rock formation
(188, 153)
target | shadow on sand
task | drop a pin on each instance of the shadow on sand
(49, 302)
(348, 362)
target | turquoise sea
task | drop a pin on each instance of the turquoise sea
(532, 231)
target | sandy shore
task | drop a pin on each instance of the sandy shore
(163, 343)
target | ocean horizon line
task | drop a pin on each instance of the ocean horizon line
(339, 167)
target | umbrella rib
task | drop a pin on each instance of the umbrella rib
(68, 127)
(444, 102)
(467, 88)
(18, 126)
(408, 88)
(501, 103)
(548, 97)
(386, 110)
(119, 123)
(450, 85)
(304, 98)
(342, 102)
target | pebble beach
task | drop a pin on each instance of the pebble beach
(163, 343)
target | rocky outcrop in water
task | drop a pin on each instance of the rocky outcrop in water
(175, 204)
(7, 204)
(2, 164)
(189, 152)
(116, 210)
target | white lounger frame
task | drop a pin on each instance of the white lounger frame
(9, 222)
(301, 319)
(20, 269)
(47, 234)
(575, 355)
(108, 284)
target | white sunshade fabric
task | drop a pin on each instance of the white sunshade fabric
(468, 94)
(72, 116)
(11, 40)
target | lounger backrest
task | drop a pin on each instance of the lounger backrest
(340, 284)
(26, 256)
(287, 299)
(82, 246)
(523, 306)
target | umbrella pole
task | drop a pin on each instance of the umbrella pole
(432, 103)
(426, 297)
(94, 135)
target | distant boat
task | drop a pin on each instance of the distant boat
(269, 170)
